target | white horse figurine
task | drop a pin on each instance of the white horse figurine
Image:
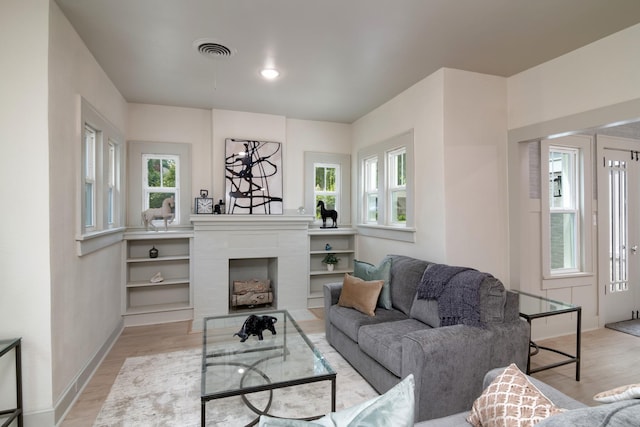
(162, 213)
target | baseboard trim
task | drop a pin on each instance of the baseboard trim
(75, 388)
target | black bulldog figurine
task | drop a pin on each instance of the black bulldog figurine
(255, 325)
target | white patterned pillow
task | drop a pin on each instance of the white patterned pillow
(625, 392)
(511, 401)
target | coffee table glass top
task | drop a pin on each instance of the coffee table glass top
(537, 306)
(231, 367)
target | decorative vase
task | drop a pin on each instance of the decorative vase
(153, 252)
(330, 267)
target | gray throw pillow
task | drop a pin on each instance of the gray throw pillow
(369, 272)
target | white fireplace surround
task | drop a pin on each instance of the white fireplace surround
(220, 238)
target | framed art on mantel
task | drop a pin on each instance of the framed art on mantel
(253, 177)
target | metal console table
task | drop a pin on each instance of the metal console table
(535, 307)
(7, 416)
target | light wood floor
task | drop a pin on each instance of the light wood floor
(609, 359)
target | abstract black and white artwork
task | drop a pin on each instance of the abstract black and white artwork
(253, 177)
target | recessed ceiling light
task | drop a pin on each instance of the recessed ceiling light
(269, 73)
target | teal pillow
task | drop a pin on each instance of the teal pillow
(369, 272)
(394, 408)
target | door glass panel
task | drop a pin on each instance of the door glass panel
(618, 215)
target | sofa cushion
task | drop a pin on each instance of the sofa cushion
(359, 294)
(426, 311)
(349, 320)
(511, 400)
(383, 342)
(406, 273)
(367, 271)
(619, 414)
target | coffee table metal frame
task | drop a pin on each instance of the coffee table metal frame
(209, 359)
(548, 307)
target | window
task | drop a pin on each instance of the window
(564, 212)
(113, 183)
(327, 178)
(566, 208)
(371, 190)
(397, 161)
(89, 172)
(101, 211)
(160, 180)
(327, 186)
(386, 189)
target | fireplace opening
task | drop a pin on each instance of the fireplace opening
(252, 283)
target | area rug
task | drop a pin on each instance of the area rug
(631, 327)
(164, 390)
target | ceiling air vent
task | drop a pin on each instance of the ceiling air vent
(213, 49)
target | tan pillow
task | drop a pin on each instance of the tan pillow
(511, 401)
(625, 392)
(361, 295)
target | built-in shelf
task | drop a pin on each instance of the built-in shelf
(342, 242)
(145, 301)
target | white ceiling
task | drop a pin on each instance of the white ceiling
(338, 59)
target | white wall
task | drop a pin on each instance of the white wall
(459, 122)
(475, 161)
(207, 130)
(602, 73)
(24, 246)
(419, 108)
(584, 88)
(85, 291)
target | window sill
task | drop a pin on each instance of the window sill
(403, 234)
(94, 241)
(569, 280)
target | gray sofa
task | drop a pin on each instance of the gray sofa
(449, 362)
(620, 414)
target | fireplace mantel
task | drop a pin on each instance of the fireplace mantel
(251, 221)
(217, 239)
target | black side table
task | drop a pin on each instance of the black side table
(8, 415)
(535, 307)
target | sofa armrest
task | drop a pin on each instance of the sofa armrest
(331, 293)
(449, 363)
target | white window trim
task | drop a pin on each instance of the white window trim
(383, 228)
(175, 190)
(336, 193)
(343, 198)
(585, 189)
(102, 233)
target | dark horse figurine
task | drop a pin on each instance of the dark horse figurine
(328, 213)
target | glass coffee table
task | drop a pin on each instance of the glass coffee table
(536, 307)
(234, 368)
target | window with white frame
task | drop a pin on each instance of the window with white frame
(327, 177)
(160, 181)
(89, 173)
(565, 206)
(386, 188)
(101, 153)
(397, 164)
(327, 186)
(370, 191)
(113, 182)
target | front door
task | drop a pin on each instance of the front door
(618, 228)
